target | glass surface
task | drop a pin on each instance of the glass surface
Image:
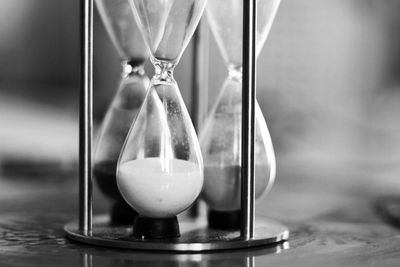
(160, 170)
(114, 129)
(225, 20)
(220, 138)
(119, 21)
(168, 25)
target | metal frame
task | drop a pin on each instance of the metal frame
(248, 118)
(195, 236)
(86, 119)
(199, 77)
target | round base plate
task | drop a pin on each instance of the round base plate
(195, 236)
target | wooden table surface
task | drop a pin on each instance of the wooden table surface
(330, 210)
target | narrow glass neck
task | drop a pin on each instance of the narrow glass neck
(164, 70)
(235, 72)
(132, 67)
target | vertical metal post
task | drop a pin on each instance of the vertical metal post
(248, 118)
(199, 84)
(200, 74)
(86, 118)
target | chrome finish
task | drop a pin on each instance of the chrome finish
(199, 92)
(86, 118)
(200, 74)
(248, 118)
(195, 236)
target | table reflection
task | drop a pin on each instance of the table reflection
(241, 258)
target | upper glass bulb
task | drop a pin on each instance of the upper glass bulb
(225, 20)
(120, 23)
(168, 25)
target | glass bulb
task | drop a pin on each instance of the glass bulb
(160, 170)
(220, 141)
(118, 18)
(168, 25)
(225, 20)
(120, 115)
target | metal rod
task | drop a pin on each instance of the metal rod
(86, 118)
(200, 74)
(248, 118)
(199, 84)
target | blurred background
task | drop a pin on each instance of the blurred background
(328, 84)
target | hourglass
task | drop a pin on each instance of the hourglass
(121, 27)
(160, 170)
(220, 137)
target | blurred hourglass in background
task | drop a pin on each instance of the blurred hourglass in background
(220, 139)
(119, 21)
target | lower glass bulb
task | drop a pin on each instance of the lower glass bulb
(160, 169)
(220, 141)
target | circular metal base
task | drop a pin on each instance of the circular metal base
(195, 236)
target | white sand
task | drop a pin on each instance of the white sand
(157, 189)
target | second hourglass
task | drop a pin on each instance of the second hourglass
(220, 137)
(120, 23)
(160, 170)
